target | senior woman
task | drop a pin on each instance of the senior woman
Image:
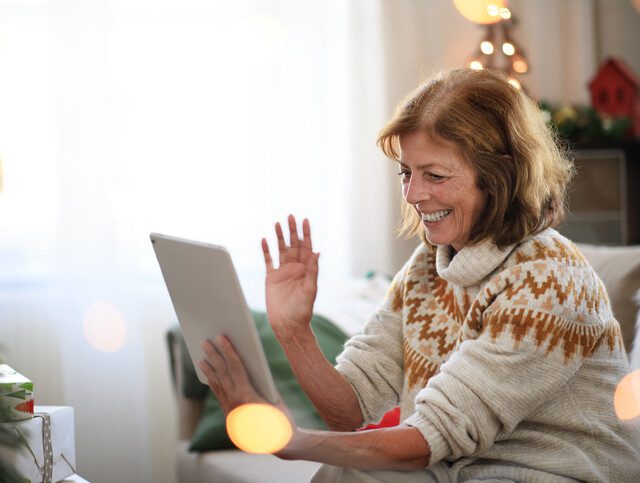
(496, 338)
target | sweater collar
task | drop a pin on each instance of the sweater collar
(471, 264)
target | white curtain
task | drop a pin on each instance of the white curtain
(201, 119)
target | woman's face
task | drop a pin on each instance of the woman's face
(441, 186)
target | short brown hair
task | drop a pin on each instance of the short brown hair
(518, 160)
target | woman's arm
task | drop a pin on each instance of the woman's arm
(399, 448)
(402, 447)
(334, 397)
(290, 295)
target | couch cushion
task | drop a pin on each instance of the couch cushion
(235, 466)
(211, 434)
(619, 269)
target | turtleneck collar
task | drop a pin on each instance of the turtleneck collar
(471, 264)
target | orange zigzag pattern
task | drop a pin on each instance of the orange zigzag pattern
(563, 253)
(418, 368)
(553, 330)
(592, 301)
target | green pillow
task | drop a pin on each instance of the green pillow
(211, 433)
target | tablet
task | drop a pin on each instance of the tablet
(208, 301)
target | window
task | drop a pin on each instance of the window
(208, 120)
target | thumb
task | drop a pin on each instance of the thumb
(312, 265)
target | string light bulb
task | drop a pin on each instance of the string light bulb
(508, 48)
(486, 47)
(505, 13)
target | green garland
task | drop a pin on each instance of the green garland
(584, 124)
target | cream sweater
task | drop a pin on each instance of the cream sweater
(505, 360)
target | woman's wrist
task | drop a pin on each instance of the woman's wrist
(293, 338)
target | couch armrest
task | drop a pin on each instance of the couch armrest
(189, 410)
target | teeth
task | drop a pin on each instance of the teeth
(437, 216)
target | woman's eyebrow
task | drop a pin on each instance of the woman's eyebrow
(422, 166)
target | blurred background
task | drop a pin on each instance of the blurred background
(212, 120)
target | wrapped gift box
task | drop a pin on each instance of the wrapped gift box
(49, 453)
(16, 394)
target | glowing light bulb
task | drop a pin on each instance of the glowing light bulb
(258, 428)
(626, 399)
(508, 48)
(480, 11)
(476, 65)
(486, 47)
(505, 13)
(514, 83)
(520, 66)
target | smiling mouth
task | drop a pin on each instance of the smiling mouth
(436, 216)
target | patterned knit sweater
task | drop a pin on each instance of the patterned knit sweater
(505, 360)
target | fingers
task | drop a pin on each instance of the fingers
(297, 251)
(214, 358)
(305, 246)
(212, 379)
(225, 366)
(293, 238)
(282, 246)
(234, 363)
(267, 256)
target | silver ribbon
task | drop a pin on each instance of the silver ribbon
(47, 468)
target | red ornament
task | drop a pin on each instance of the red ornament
(615, 90)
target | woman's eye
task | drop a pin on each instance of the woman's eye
(405, 175)
(435, 177)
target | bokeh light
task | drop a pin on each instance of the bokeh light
(508, 48)
(104, 327)
(520, 66)
(475, 65)
(505, 13)
(486, 47)
(480, 11)
(258, 428)
(627, 396)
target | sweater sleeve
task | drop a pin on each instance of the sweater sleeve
(528, 346)
(372, 361)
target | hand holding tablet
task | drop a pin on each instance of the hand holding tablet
(208, 301)
(220, 334)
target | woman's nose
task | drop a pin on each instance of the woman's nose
(415, 192)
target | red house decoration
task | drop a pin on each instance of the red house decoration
(615, 90)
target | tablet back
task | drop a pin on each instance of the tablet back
(208, 300)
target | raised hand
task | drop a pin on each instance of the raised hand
(291, 288)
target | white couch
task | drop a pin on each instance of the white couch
(619, 268)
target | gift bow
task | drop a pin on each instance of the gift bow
(47, 468)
